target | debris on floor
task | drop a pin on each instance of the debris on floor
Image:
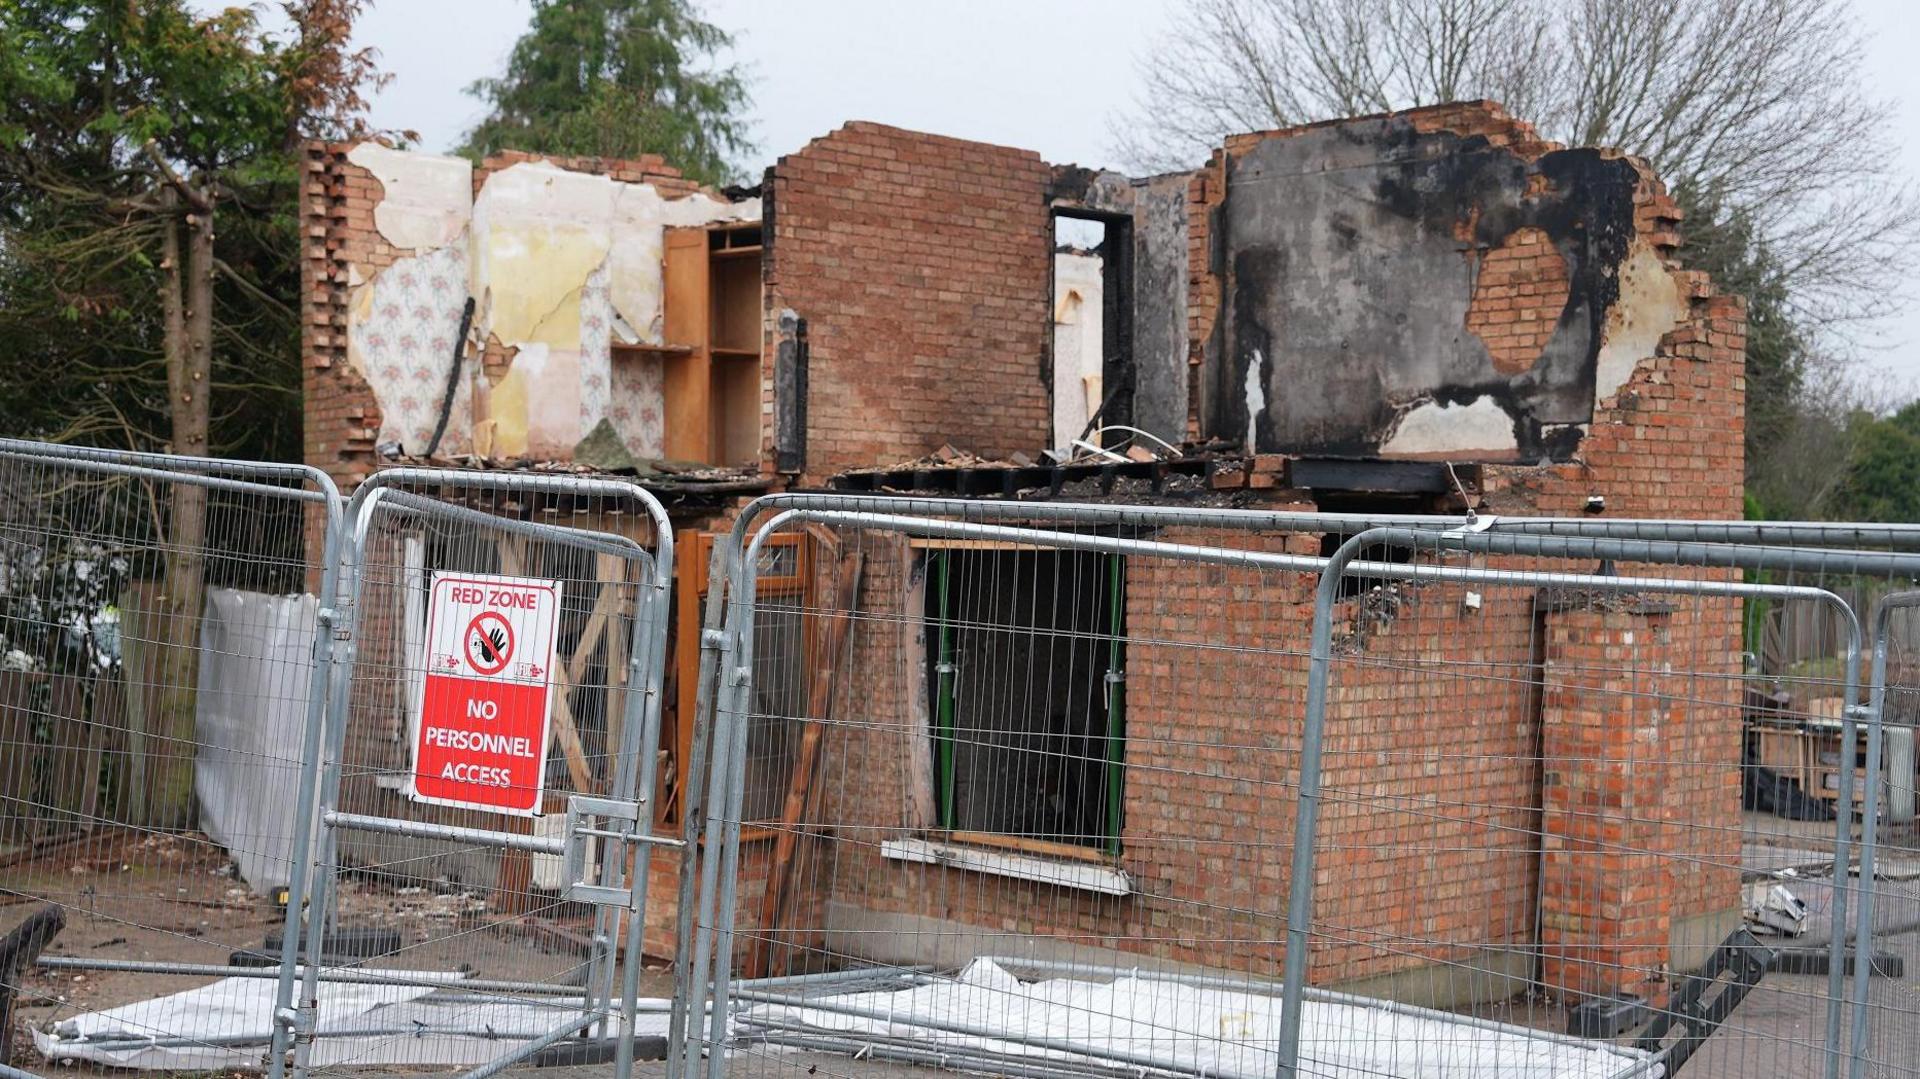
(988, 1021)
(1770, 908)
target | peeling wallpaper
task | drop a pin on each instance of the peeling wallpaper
(401, 336)
(562, 264)
(428, 197)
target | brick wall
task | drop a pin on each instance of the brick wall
(921, 266)
(340, 247)
(1521, 291)
(1206, 191)
(1623, 856)
(645, 169)
(1442, 728)
(1438, 744)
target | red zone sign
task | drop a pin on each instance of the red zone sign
(482, 721)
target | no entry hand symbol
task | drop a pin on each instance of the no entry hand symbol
(489, 643)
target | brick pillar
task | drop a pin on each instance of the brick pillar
(1606, 888)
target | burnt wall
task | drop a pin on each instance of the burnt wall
(1151, 353)
(1383, 267)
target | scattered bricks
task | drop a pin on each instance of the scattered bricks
(1229, 478)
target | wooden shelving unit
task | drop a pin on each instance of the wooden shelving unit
(713, 359)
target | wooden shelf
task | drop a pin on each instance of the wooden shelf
(737, 353)
(656, 350)
(735, 252)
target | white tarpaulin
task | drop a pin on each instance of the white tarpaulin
(256, 660)
(231, 1008)
(357, 1026)
(1192, 1029)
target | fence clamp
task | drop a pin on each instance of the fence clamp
(625, 822)
(303, 1020)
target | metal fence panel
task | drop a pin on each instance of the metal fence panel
(1887, 955)
(1654, 873)
(490, 617)
(939, 884)
(997, 749)
(159, 666)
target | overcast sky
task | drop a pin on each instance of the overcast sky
(1045, 75)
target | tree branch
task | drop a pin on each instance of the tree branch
(196, 199)
(252, 289)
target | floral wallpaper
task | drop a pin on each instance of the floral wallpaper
(402, 338)
(629, 391)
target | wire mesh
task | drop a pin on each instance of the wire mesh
(157, 668)
(1622, 769)
(1892, 952)
(1010, 751)
(447, 826)
(1537, 797)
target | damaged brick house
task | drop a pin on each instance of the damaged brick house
(1372, 313)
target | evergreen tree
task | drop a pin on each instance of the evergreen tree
(618, 78)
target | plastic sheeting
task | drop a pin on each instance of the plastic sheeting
(358, 1026)
(229, 1009)
(1190, 1029)
(256, 659)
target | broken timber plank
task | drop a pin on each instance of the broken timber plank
(568, 735)
(774, 903)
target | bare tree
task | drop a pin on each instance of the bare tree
(1751, 108)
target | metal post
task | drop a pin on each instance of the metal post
(648, 661)
(729, 796)
(687, 986)
(1875, 717)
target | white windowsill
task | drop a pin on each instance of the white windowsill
(1084, 876)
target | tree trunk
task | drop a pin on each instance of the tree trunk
(189, 353)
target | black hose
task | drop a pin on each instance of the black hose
(453, 377)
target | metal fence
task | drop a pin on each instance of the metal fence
(1039, 790)
(500, 885)
(1623, 860)
(1055, 790)
(271, 820)
(158, 664)
(1890, 953)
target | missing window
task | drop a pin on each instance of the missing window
(1025, 662)
(1092, 323)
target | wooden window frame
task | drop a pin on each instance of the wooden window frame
(690, 589)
